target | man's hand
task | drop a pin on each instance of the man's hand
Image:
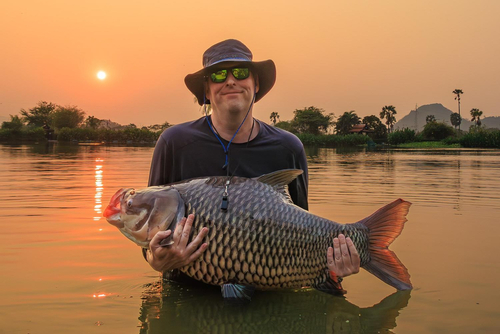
(180, 253)
(343, 258)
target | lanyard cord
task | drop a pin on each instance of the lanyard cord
(224, 147)
(225, 202)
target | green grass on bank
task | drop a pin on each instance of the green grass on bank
(333, 140)
(429, 144)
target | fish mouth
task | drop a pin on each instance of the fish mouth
(112, 213)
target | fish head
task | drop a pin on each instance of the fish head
(140, 214)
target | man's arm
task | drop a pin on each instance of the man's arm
(180, 253)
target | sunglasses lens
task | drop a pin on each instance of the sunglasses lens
(219, 76)
(240, 73)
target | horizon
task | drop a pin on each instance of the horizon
(335, 56)
(399, 117)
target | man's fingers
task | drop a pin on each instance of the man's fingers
(186, 231)
(329, 256)
(193, 245)
(198, 252)
(330, 260)
(354, 253)
(337, 254)
(346, 257)
(178, 230)
(158, 237)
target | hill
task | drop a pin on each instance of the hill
(416, 118)
(491, 122)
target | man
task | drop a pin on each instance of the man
(230, 142)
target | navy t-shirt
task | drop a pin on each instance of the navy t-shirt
(191, 150)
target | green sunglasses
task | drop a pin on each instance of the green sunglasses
(240, 73)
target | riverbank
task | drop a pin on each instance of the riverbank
(135, 136)
(429, 144)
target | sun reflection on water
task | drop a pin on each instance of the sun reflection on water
(98, 189)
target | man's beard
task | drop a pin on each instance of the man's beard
(238, 108)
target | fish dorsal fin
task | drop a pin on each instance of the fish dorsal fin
(280, 178)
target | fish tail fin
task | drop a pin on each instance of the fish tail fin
(384, 226)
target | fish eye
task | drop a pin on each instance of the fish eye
(129, 203)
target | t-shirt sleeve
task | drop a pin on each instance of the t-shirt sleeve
(159, 171)
(299, 187)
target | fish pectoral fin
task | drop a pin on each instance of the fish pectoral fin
(237, 292)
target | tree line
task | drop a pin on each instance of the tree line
(313, 121)
(69, 123)
(316, 121)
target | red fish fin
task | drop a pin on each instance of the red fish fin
(385, 225)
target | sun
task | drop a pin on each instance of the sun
(101, 75)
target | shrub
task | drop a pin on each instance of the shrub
(28, 134)
(333, 140)
(15, 124)
(33, 134)
(481, 138)
(401, 136)
(106, 135)
(5, 134)
(78, 134)
(285, 125)
(451, 140)
(437, 131)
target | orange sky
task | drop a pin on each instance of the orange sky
(337, 55)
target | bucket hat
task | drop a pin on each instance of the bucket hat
(231, 50)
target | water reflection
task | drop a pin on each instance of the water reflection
(98, 190)
(435, 177)
(198, 310)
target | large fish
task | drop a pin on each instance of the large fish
(262, 239)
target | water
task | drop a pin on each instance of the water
(65, 269)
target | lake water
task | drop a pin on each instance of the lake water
(65, 269)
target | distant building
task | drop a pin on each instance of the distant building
(362, 129)
(109, 124)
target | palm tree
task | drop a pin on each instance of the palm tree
(346, 122)
(476, 116)
(274, 117)
(455, 120)
(388, 113)
(458, 92)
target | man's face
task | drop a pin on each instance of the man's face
(232, 95)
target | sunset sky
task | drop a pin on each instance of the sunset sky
(337, 55)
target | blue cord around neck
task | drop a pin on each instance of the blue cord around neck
(224, 147)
